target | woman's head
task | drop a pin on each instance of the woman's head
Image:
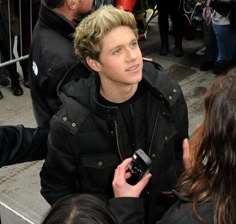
(216, 145)
(79, 209)
(213, 151)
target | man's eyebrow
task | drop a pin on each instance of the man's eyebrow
(121, 45)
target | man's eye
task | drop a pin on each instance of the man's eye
(117, 51)
(134, 44)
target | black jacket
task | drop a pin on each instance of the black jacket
(131, 211)
(88, 140)
(52, 55)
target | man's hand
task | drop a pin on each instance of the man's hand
(186, 154)
(121, 188)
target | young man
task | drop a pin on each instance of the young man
(125, 105)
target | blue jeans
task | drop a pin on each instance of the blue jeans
(226, 42)
(210, 42)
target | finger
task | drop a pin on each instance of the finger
(126, 162)
(127, 175)
(120, 171)
(123, 166)
(186, 153)
(143, 182)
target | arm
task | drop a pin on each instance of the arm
(127, 207)
(19, 144)
(58, 174)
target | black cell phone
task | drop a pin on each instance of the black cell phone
(139, 166)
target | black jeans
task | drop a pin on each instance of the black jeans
(173, 9)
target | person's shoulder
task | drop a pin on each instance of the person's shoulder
(151, 65)
(75, 96)
(160, 81)
(181, 212)
(154, 71)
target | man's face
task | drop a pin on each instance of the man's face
(83, 6)
(120, 61)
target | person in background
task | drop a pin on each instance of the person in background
(126, 104)
(211, 48)
(52, 54)
(206, 191)
(174, 9)
(27, 11)
(7, 42)
(79, 209)
(224, 26)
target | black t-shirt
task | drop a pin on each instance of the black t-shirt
(133, 113)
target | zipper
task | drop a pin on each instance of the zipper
(155, 124)
(117, 140)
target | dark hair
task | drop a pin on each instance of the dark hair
(79, 209)
(213, 153)
(54, 3)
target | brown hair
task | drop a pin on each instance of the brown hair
(213, 153)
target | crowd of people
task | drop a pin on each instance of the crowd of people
(96, 101)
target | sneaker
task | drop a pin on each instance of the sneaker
(207, 65)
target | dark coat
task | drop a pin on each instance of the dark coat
(52, 55)
(19, 144)
(131, 211)
(88, 140)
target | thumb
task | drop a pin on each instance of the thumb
(143, 182)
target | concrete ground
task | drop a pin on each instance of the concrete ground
(20, 200)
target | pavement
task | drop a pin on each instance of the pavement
(20, 200)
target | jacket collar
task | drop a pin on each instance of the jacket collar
(84, 91)
(56, 21)
(160, 82)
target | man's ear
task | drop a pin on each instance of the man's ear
(71, 3)
(93, 64)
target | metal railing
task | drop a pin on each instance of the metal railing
(12, 11)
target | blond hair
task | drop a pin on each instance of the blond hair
(91, 30)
